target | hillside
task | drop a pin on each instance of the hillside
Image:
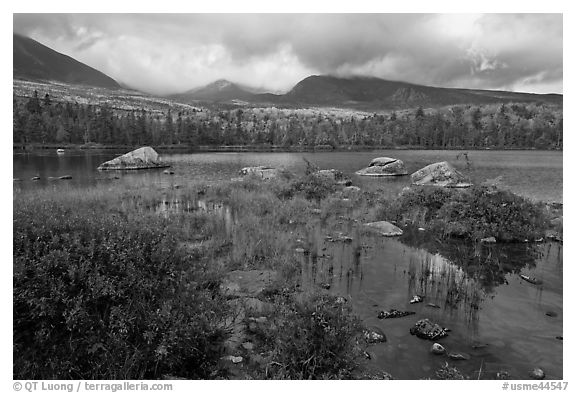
(34, 61)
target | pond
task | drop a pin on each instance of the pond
(534, 174)
(505, 324)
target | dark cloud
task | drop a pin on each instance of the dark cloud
(164, 53)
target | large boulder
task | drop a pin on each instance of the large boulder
(263, 172)
(384, 228)
(440, 174)
(142, 158)
(384, 166)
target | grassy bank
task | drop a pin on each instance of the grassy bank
(124, 283)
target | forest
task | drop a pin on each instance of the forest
(41, 120)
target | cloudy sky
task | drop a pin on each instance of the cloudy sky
(168, 53)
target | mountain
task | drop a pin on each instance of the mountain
(374, 93)
(222, 91)
(34, 61)
(367, 93)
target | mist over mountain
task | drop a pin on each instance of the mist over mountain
(35, 61)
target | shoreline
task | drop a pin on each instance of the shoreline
(257, 148)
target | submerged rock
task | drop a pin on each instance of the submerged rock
(437, 349)
(428, 330)
(440, 174)
(263, 172)
(458, 356)
(393, 313)
(384, 166)
(142, 158)
(385, 228)
(537, 373)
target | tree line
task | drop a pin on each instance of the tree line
(522, 125)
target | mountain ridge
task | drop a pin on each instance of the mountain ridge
(35, 61)
(361, 92)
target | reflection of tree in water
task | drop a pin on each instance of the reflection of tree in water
(488, 264)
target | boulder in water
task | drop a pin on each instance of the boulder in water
(142, 158)
(384, 166)
(440, 174)
(384, 228)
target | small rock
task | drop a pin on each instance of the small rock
(416, 299)
(490, 239)
(459, 356)
(374, 336)
(428, 330)
(394, 314)
(437, 349)
(537, 373)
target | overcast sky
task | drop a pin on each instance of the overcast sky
(168, 53)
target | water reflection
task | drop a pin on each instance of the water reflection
(474, 291)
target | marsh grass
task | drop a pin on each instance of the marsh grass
(122, 282)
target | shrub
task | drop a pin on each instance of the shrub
(474, 213)
(313, 338)
(104, 296)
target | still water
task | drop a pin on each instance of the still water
(503, 323)
(534, 174)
